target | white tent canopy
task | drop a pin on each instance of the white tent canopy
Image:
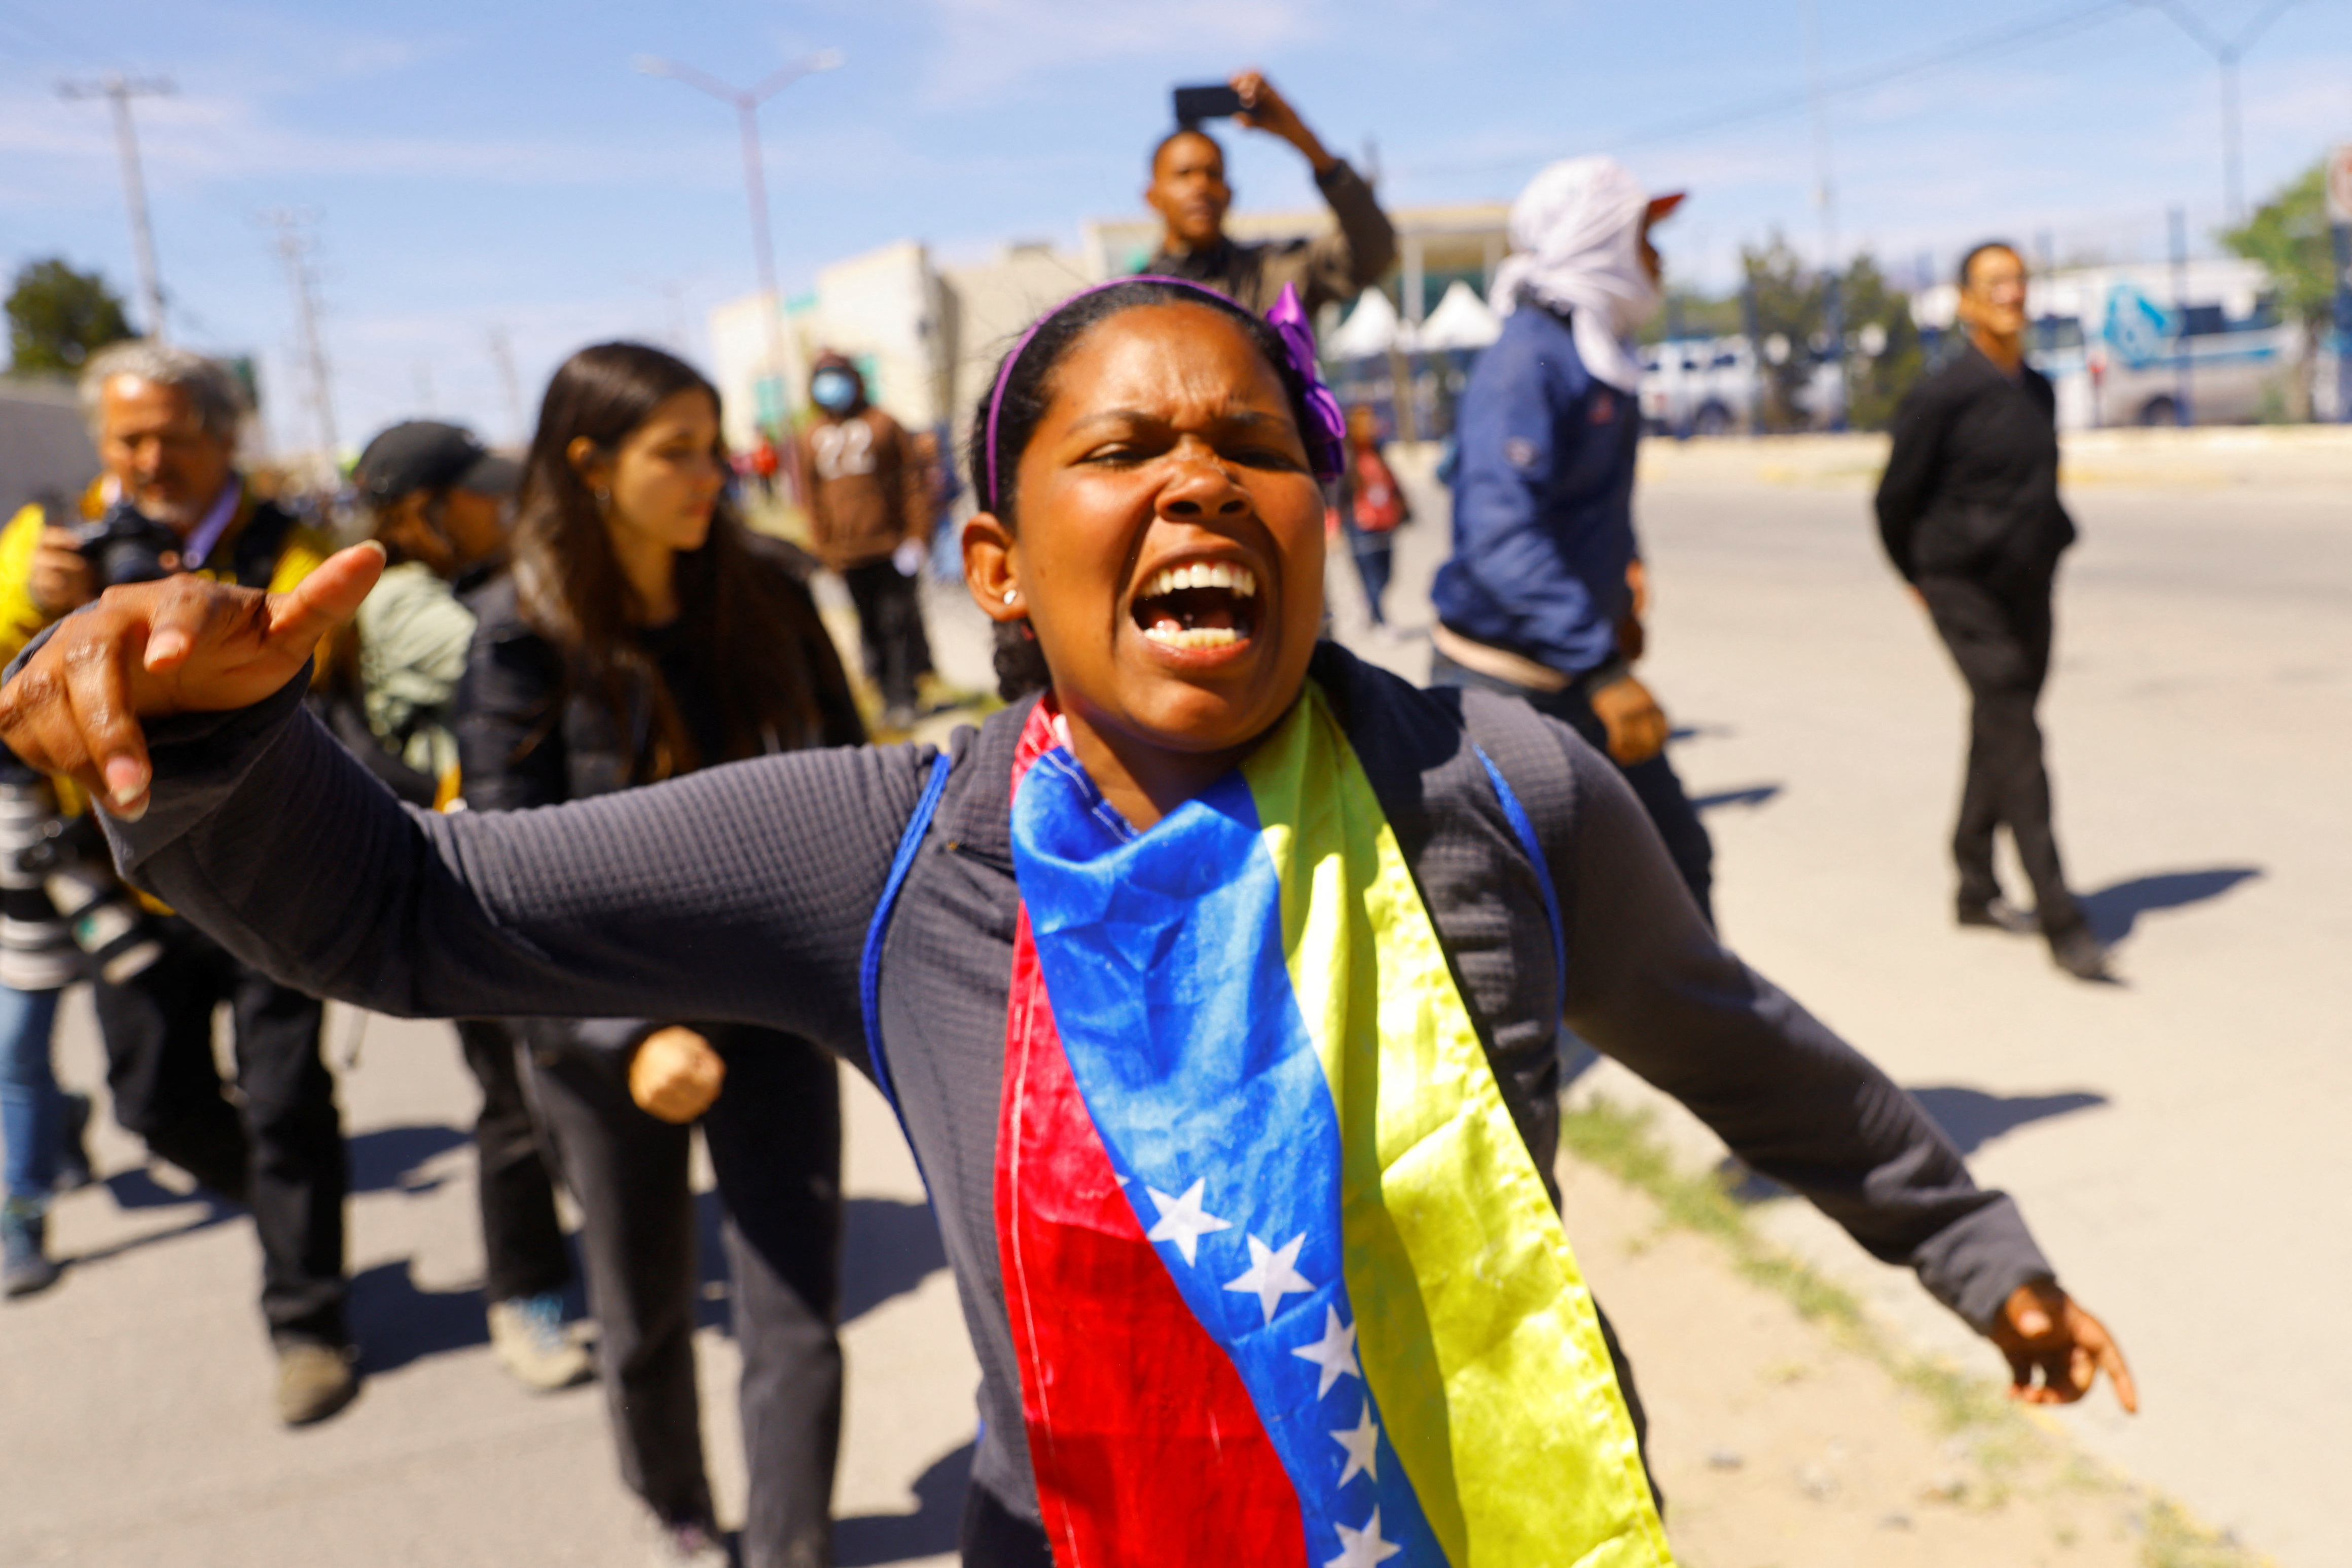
(1369, 329)
(1460, 321)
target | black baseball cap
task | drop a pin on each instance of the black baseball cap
(426, 454)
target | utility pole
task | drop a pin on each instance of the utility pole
(119, 90)
(2184, 410)
(2227, 53)
(502, 355)
(784, 360)
(295, 245)
(1825, 201)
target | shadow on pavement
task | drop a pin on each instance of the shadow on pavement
(396, 1323)
(1969, 1117)
(887, 1248)
(1755, 795)
(2114, 910)
(934, 1528)
(387, 1159)
(1972, 1118)
(134, 1189)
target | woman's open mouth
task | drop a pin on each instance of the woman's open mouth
(1198, 605)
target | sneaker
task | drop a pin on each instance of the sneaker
(26, 1266)
(531, 1342)
(1997, 913)
(689, 1543)
(314, 1380)
(2081, 955)
(74, 1169)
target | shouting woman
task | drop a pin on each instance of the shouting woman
(1217, 982)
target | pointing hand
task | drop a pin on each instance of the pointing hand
(184, 644)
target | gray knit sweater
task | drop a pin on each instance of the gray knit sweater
(744, 893)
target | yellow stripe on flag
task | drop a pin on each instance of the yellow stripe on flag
(1477, 1334)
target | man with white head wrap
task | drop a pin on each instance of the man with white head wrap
(1536, 601)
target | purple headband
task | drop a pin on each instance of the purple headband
(1326, 438)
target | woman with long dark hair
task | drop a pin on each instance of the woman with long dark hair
(645, 632)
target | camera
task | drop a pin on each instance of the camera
(126, 545)
(1195, 104)
(57, 892)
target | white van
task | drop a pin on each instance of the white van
(2122, 345)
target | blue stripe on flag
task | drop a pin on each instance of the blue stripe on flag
(1163, 959)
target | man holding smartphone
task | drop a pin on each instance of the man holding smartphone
(1188, 190)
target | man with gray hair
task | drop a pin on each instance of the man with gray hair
(172, 500)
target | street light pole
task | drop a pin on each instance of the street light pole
(119, 90)
(2227, 53)
(1825, 200)
(746, 103)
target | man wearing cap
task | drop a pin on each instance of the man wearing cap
(165, 421)
(1540, 599)
(1188, 190)
(437, 499)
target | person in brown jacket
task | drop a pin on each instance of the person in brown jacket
(1188, 190)
(869, 520)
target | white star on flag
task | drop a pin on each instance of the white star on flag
(1335, 1352)
(1363, 1446)
(1363, 1548)
(1271, 1275)
(1183, 1219)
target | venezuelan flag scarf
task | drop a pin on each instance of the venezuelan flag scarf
(1285, 1288)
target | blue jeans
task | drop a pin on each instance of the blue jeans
(32, 1112)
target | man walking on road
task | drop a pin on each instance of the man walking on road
(1969, 513)
(1188, 190)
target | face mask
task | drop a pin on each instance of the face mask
(834, 390)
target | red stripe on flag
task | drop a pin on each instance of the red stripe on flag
(1146, 1446)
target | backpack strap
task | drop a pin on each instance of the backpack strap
(869, 966)
(1523, 826)
(1500, 727)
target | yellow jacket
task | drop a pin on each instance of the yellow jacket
(263, 547)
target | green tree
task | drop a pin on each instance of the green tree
(1877, 315)
(1789, 308)
(2288, 235)
(57, 318)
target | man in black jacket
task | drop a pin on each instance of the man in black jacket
(1969, 513)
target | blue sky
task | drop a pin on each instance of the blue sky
(501, 167)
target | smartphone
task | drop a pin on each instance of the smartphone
(1195, 104)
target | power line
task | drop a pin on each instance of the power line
(1998, 40)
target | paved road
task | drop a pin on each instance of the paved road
(2175, 1141)
(2171, 1139)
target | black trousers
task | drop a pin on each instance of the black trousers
(774, 1136)
(522, 1238)
(1655, 783)
(281, 1142)
(2000, 637)
(890, 627)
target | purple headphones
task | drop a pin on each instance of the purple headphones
(1326, 441)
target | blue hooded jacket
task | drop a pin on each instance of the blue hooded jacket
(1543, 500)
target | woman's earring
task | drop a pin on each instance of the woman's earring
(1011, 594)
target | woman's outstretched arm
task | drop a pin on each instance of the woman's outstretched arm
(740, 892)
